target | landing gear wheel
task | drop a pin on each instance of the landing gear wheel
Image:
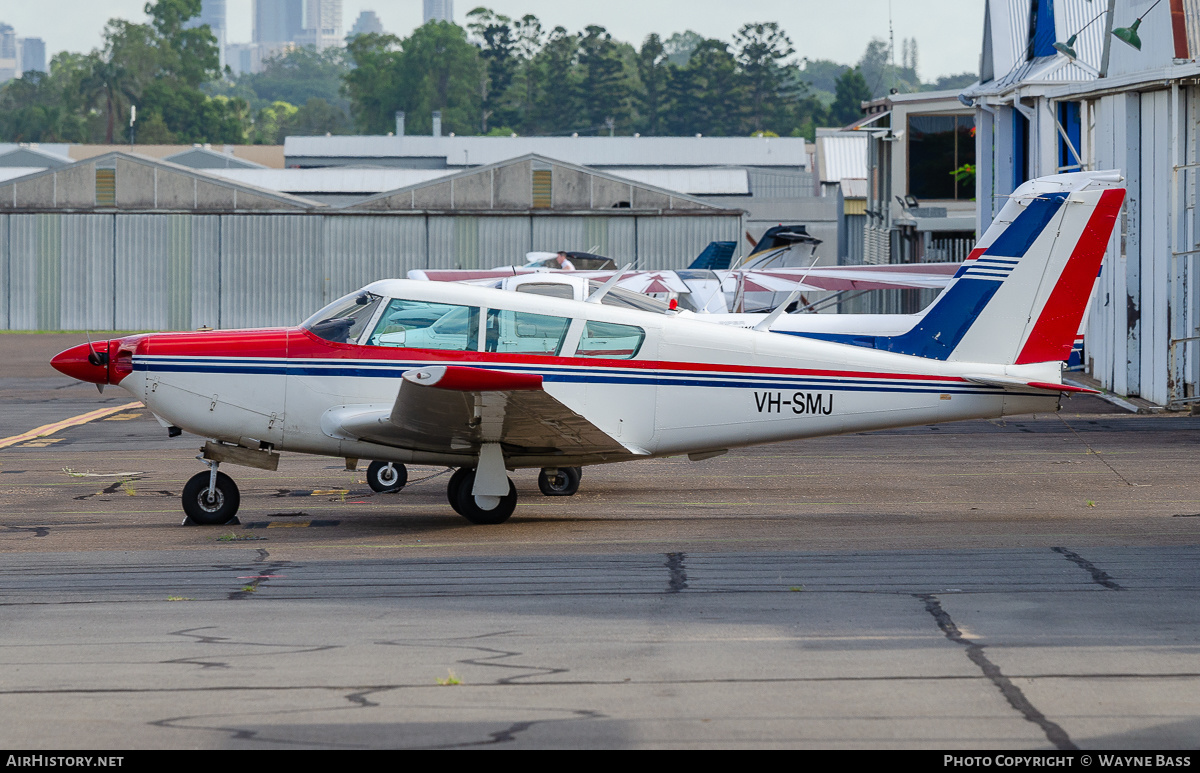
(563, 483)
(452, 488)
(482, 510)
(386, 476)
(212, 510)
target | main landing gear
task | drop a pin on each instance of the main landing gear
(211, 498)
(479, 509)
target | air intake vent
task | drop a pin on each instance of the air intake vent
(106, 187)
(542, 188)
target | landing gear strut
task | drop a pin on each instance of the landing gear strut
(211, 498)
(385, 476)
(479, 509)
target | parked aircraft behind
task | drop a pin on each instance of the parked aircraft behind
(489, 381)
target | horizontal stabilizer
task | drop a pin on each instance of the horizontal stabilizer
(1011, 382)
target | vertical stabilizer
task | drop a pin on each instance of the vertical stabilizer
(1021, 294)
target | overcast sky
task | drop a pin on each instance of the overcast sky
(948, 32)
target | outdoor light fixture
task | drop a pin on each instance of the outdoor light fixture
(1068, 49)
(1129, 34)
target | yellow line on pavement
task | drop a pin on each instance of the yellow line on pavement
(50, 429)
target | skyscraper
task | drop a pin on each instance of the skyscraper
(439, 10)
(278, 21)
(10, 64)
(367, 23)
(33, 55)
(322, 24)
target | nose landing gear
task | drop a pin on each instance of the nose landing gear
(211, 498)
(386, 476)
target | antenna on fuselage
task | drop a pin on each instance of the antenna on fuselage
(602, 291)
(778, 311)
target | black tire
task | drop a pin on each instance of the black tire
(469, 508)
(221, 509)
(564, 483)
(453, 486)
(386, 476)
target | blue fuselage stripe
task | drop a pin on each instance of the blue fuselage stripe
(657, 378)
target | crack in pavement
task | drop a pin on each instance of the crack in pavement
(975, 651)
(491, 653)
(678, 576)
(1099, 576)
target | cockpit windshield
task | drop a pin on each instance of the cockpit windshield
(343, 320)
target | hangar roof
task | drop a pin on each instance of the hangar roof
(456, 152)
(123, 181)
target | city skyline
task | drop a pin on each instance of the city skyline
(947, 31)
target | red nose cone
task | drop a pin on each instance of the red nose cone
(74, 362)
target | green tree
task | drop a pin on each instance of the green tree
(299, 75)
(497, 43)
(604, 82)
(32, 110)
(375, 82)
(654, 72)
(190, 55)
(556, 86)
(442, 72)
(761, 49)
(436, 68)
(710, 93)
(273, 123)
(852, 91)
(679, 47)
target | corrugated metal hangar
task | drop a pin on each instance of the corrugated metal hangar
(124, 242)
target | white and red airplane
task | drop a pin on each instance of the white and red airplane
(489, 381)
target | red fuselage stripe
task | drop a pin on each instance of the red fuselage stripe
(298, 345)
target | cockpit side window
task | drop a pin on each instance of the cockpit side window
(426, 325)
(610, 340)
(343, 320)
(521, 331)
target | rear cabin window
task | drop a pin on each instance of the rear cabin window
(549, 289)
(520, 331)
(425, 325)
(609, 340)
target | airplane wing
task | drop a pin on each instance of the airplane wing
(456, 409)
(913, 275)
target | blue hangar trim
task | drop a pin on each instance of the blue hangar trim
(942, 328)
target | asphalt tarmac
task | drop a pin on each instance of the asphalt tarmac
(1029, 583)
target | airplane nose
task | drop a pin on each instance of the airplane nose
(84, 362)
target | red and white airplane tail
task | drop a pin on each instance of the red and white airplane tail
(1022, 293)
(1020, 296)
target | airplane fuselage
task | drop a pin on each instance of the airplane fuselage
(691, 387)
